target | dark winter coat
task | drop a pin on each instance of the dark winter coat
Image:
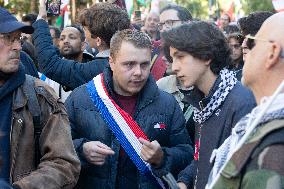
(153, 106)
(59, 165)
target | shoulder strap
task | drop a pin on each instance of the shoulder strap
(34, 108)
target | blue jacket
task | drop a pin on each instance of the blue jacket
(239, 102)
(66, 72)
(4, 185)
(153, 106)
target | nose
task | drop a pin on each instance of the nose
(165, 28)
(137, 70)
(16, 46)
(65, 40)
(244, 44)
(175, 66)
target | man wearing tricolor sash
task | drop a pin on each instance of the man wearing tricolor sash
(126, 131)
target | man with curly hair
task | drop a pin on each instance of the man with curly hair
(250, 25)
(200, 56)
(124, 97)
(103, 20)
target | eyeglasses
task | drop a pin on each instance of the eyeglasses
(168, 23)
(251, 43)
(11, 38)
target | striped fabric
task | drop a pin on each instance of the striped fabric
(125, 129)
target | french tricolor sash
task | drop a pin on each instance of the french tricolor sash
(125, 129)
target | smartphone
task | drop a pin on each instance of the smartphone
(53, 7)
(137, 14)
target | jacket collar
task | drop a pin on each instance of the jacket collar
(19, 99)
(14, 86)
(13, 82)
(198, 99)
(148, 93)
(103, 54)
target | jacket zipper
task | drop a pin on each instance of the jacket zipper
(11, 129)
(13, 156)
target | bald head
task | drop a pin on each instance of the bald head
(273, 28)
(266, 58)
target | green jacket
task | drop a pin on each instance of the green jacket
(259, 163)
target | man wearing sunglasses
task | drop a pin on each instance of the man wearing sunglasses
(258, 161)
(250, 25)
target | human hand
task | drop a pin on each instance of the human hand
(181, 185)
(151, 152)
(42, 14)
(96, 152)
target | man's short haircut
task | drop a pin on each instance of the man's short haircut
(105, 19)
(201, 40)
(31, 18)
(83, 17)
(182, 13)
(137, 38)
(251, 24)
(57, 31)
(80, 29)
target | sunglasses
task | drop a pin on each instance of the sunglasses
(168, 23)
(250, 42)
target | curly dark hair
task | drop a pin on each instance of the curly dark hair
(251, 24)
(231, 29)
(137, 38)
(237, 36)
(182, 13)
(201, 40)
(83, 17)
(104, 19)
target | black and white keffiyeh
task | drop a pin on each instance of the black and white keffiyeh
(228, 81)
(221, 155)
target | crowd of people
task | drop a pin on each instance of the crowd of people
(108, 103)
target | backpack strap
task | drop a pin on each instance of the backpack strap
(34, 108)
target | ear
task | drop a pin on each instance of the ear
(98, 41)
(83, 46)
(273, 56)
(207, 63)
(111, 62)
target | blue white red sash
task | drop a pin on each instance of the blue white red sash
(125, 129)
